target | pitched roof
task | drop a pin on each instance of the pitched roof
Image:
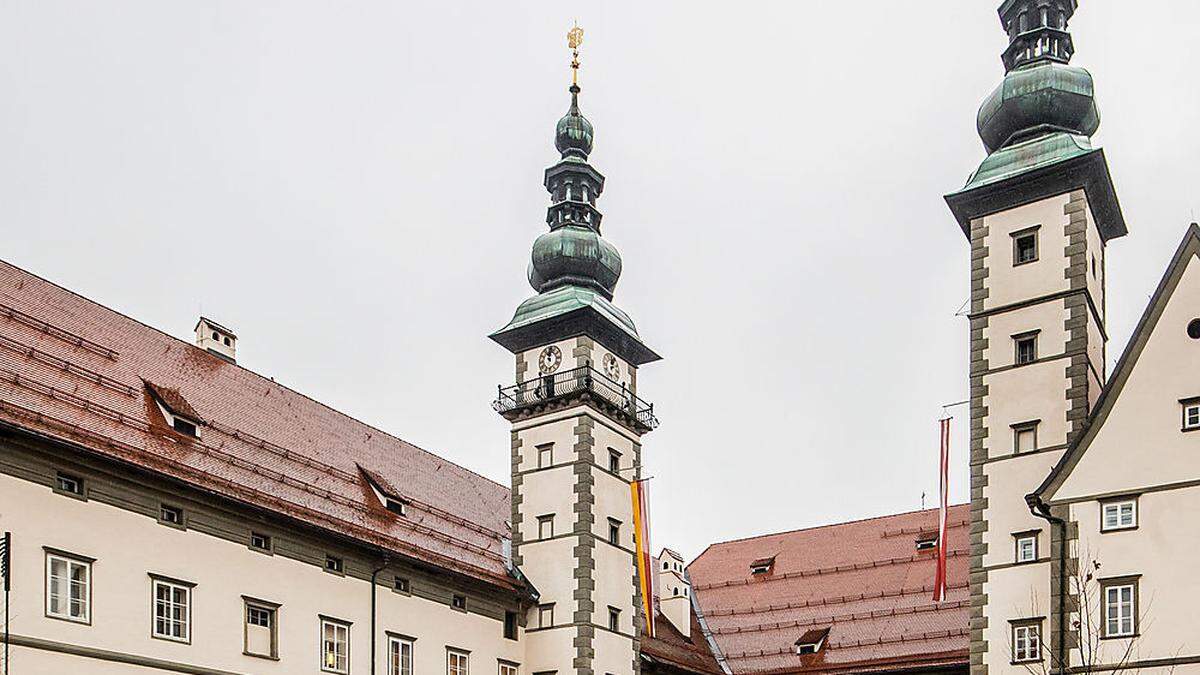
(670, 646)
(864, 581)
(73, 370)
(1188, 249)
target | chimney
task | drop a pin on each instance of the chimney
(216, 339)
(674, 591)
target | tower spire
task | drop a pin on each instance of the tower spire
(1037, 31)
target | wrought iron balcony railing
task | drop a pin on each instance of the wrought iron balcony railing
(565, 383)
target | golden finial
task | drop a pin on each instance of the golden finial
(574, 39)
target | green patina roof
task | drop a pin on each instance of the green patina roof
(1028, 155)
(566, 299)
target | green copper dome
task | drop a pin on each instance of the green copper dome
(577, 256)
(1044, 97)
(573, 135)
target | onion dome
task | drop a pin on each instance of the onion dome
(573, 135)
(577, 256)
(1040, 94)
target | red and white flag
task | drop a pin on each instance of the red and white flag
(939, 579)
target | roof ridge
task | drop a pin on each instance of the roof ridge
(269, 380)
(818, 527)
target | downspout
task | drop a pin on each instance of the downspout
(1041, 510)
(374, 575)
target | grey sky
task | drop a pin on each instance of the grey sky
(354, 187)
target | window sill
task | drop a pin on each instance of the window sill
(1121, 637)
(73, 495)
(1024, 262)
(167, 638)
(1023, 662)
(268, 657)
(1111, 530)
(69, 619)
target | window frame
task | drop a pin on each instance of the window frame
(614, 532)
(402, 585)
(1022, 234)
(542, 522)
(512, 667)
(1028, 336)
(512, 625)
(1117, 502)
(458, 602)
(269, 540)
(187, 587)
(70, 559)
(272, 608)
(1034, 625)
(335, 564)
(548, 450)
(164, 508)
(465, 655)
(80, 483)
(544, 611)
(1186, 405)
(1019, 537)
(1020, 427)
(394, 668)
(1111, 583)
(324, 621)
(614, 619)
(614, 462)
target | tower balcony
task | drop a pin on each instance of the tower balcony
(565, 387)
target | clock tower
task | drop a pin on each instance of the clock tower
(577, 424)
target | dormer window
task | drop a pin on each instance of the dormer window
(178, 414)
(762, 566)
(395, 506)
(385, 494)
(185, 426)
(812, 641)
(926, 541)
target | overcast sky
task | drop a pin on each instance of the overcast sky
(353, 187)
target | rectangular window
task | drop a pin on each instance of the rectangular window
(545, 526)
(184, 427)
(261, 634)
(400, 656)
(170, 515)
(68, 588)
(172, 610)
(459, 602)
(614, 461)
(545, 457)
(1026, 543)
(457, 663)
(614, 532)
(1027, 641)
(394, 505)
(334, 564)
(1025, 346)
(614, 619)
(260, 541)
(335, 646)
(510, 625)
(1025, 437)
(1191, 415)
(401, 585)
(1025, 246)
(72, 485)
(1120, 607)
(507, 668)
(545, 616)
(1118, 515)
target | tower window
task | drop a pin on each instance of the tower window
(1025, 436)
(1026, 641)
(546, 527)
(1193, 329)
(1025, 244)
(1120, 598)
(614, 461)
(614, 619)
(1025, 346)
(1026, 546)
(545, 616)
(1191, 414)
(614, 532)
(545, 456)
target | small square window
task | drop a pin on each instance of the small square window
(614, 619)
(1025, 247)
(614, 532)
(546, 527)
(614, 461)
(510, 625)
(334, 564)
(1118, 515)
(459, 602)
(1025, 437)
(401, 585)
(1191, 415)
(170, 515)
(1026, 348)
(545, 616)
(545, 457)
(1026, 544)
(1026, 641)
(260, 541)
(72, 485)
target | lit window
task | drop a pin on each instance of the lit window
(1026, 348)
(1025, 247)
(1191, 415)
(545, 527)
(69, 484)
(457, 663)
(1118, 515)
(459, 602)
(68, 587)
(170, 515)
(614, 532)
(1027, 642)
(172, 610)
(545, 616)
(400, 656)
(614, 619)
(260, 541)
(507, 668)
(545, 455)
(614, 461)
(261, 637)
(335, 646)
(1027, 547)
(1120, 607)
(334, 564)
(1025, 437)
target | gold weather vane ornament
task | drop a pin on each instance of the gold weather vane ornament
(574, 39)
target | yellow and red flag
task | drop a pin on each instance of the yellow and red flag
(939, 578)
(640, 491)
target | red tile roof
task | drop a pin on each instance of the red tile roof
(863, 580)
(670, 646)
(79, 372)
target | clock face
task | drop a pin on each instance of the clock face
(611, 368)
(550, 360)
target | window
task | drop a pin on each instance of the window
(545, 456)
(459, 602)
(185, 427)
(614, 532)
(334, 564)
(545, 527)
(172, 610)
(1118, 515)
(666, 565)
(1025, 246)
(762, 565)
(614, 619)
(400, 655)
(260, 541)
(545, 616)
(1025, 347)
(510, 625)
(66, 483)
(926, 541)
(1191, 414)
(811, 641)
(1026, 641)
(401, 585)
(1026, 543)
(335, 646)
(68, 587)
(262, 634)
(1120, 606)
(507, 668)
(1025, 436)
(394, 505)
(614, 461)
(457, 662)
(170, 515)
